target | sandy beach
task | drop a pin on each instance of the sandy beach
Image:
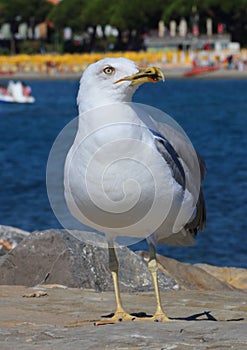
(170, 73)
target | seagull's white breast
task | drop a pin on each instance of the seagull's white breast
(115, 179)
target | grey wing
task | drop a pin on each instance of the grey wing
(171, 157)
(194, 169)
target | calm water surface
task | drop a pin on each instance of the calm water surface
(213, 114)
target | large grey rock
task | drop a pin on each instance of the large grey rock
(236, 277)
(56, 256)
(10, 237)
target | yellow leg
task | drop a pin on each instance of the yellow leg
(159, 315)
(120, 314)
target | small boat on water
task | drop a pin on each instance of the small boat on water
(16, 92)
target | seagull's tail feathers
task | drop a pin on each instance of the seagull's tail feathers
(185, 237)
(199, 222)
(181, 238)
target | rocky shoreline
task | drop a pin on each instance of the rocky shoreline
(79, 259)
(54, 286)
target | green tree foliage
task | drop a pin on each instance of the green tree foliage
(16, 11)
(67, 14)
(137, 14)
(25, 9)
(175, 9)
(134, 17)
(96, 12)
(233, 14)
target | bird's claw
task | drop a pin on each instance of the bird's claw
(160, 317)
(119, 316)
(124, 316)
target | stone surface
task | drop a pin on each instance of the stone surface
(55, 256)
(236, 277)
(63, 319)
(10, 237)
(208, 312)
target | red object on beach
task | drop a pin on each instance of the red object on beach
(200, 70)
(6, 73)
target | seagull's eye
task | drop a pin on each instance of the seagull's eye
(109, 70)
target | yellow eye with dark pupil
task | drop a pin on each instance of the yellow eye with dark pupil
(108, 70)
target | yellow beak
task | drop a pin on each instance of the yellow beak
(145, 75)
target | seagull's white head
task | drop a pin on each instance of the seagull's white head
(112, 80)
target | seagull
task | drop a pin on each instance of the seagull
(127, 174)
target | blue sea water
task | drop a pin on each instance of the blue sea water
(213, 114)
